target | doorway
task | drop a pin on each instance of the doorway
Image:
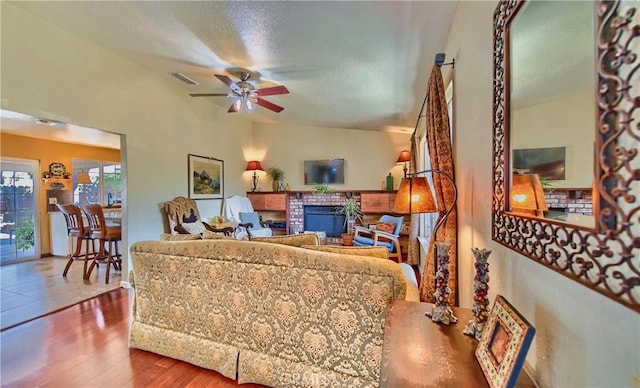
(19, 221)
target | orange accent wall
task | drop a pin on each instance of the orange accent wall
(47, 152)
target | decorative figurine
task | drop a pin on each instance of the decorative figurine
(480, 294)
(441, 311)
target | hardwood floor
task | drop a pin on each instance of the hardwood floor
(33, 288)
(87, 346)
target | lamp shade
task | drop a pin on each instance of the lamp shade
(253, 166)
(404, 157)
(527, 193)
(83, 178)
(414, 196)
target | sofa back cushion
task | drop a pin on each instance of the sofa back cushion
(294, 240)
(179, 237)
(380, 252)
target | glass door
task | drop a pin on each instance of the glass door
(19, 223)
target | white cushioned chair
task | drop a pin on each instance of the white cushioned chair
(246, 222)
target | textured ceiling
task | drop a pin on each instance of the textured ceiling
(361, 65)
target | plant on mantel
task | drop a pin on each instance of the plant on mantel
(276, 175)
(321, 188)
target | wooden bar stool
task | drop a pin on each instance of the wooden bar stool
(76, 229)
(108, 237)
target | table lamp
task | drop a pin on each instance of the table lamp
(254, 166)
(404, 157)
(527, 196)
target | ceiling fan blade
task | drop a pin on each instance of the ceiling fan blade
(227, 81)
(269, 105)
(208, 94)
(272, 91)
(233, 108)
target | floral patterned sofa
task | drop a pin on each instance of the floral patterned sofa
(265, 313)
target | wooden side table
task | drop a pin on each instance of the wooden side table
(418, 352)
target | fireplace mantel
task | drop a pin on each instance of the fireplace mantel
(290, 204)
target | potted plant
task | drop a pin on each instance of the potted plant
(276, 175)
(321, 188)
(351, 209)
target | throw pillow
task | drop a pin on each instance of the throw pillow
(388, 227)
(193, 227)
(180, 230)
(380, 252)
(250, 217)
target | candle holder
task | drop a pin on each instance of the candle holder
(441, 311)
(480, 294)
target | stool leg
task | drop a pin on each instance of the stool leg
(66, 269)
(97, 256)
(73, 256)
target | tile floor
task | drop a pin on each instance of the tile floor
(34, 288)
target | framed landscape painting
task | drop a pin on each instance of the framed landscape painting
(206, 177)
(504, 344)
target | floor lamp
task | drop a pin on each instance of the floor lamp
(415, 196)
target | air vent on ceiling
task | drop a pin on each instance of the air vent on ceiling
(51, 123)
(184, 78)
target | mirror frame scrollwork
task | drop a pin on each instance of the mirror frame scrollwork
(606, 258)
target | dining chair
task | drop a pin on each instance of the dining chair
(108, 237)
(80, 232)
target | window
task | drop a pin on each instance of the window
(104, 185)
(428, 220)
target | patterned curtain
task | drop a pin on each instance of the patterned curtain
(441, 156)
(413, 256)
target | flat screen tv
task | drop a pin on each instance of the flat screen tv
(549, 163)
(328, 171)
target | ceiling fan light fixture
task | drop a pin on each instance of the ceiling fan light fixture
(248, 104)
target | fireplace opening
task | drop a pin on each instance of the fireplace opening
(323, 219)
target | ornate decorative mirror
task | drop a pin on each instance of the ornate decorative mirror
(576, 96)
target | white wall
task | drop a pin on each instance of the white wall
(46, 69)
(369, 155)
(582, 338)
(48, 72)
(569, 122)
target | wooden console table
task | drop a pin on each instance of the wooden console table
(418, 352)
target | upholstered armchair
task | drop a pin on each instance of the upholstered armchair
(184, 217)
(386, 234)
(245, 220)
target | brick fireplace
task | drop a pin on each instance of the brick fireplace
(299, 200)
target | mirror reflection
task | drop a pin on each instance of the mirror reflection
(553, 111)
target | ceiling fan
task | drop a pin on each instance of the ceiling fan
(246, 95)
